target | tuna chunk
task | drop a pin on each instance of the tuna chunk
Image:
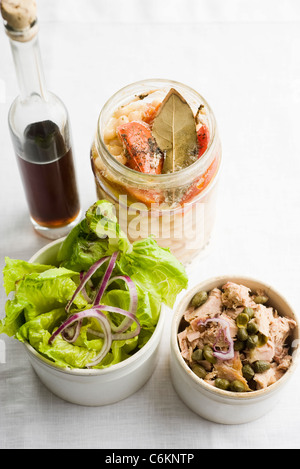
(269, 377)
(210, 377)
(280, 328)
(265, 353)
(184, 345)
(263, 318)
(192, 335)
(233, 313)
(231, 370)
(210, 308)
(188, 340)
(285, 362)
(235, 295)
(232, 324)
(208, 335)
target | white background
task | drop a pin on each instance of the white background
(244, 57)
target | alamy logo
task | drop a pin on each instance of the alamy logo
(183, 224)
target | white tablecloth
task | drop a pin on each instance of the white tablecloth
(244, 57)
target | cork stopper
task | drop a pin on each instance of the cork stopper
(19, 16)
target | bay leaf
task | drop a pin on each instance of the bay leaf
(174, 129)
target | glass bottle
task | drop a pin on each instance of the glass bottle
(40, 131)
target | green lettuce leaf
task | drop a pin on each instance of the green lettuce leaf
(155, 270)
(98, 235)
(103, 222)
(37, 293)
(40, 328)
(14, 317)
(147, 311)
(15, 270)
(120, 349)
(38, 331)
(48, 290)
(65, 354)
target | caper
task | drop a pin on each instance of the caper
(238, 345)
(262, 339)
(249, 312)
(237, 386)
(242, 320)
(199, 299)
(260, 299)
(260, 366)
(252, 341)
(242, 333)
(197, 355)
(252, 328)
(222, 383)
(199, 371)
(248, 372)
(208, 354)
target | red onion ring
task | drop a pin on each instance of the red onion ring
(107, 341)
(85, 279)
(96, 313)
(84, 292)
(118, 335)
(106, 277)
(222, 355)
(71, 333)
(133, 302)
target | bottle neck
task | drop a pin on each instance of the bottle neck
(28, 66)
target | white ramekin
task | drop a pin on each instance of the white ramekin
(95, 387)
(210, 402)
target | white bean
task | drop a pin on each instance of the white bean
(110, 130)
(116, 141)
(125, 110)
(122, 120)
(121, 158)
(114, 149)
(135, 116)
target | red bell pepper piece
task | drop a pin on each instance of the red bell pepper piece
(200, 184)
(203, 139)
(142, 151)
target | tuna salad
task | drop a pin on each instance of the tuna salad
(233, 339)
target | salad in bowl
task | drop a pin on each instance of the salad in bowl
(99, 303)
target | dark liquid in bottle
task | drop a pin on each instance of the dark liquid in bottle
(48, 175)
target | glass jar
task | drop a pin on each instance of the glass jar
(177, 209)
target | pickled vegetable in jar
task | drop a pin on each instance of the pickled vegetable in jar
(156, 155)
